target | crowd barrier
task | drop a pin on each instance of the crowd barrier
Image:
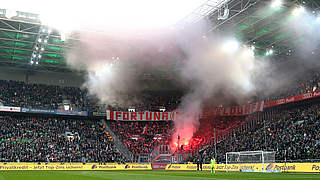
(73, 166)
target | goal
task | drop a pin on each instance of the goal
(259, 160)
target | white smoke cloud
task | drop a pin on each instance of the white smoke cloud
(215, 68)
(213, 63)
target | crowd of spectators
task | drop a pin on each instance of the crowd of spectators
(52, 139)
(142, 137)
(149, 101)
(21, 94)
(308, 83)
(290, 130)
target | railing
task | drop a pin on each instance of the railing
(141, 158)
(118, 143)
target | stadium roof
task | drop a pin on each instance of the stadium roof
(19, 35)
(19, 38)
(256, 22)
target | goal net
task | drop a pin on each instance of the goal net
(250, 161)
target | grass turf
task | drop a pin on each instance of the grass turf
(145, 175)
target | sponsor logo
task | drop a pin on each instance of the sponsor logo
(14, 167)
(315, 168)
(94, 167)
(269, 167)
(127, 167)
(107, 167)
(65, 112)
(191, 167)
(220, 167)
(284, 168)
(247, 167)
(139, 167)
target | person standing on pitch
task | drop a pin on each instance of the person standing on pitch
(213, 163)
(198, 162)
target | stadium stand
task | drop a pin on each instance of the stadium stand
(21, 94)
(54, 139)
(299, 140)
(142, 137)
(308, 83)
(290, 131)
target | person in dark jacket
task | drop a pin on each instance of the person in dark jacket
(199, 162)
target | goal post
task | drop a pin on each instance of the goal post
(261, 158)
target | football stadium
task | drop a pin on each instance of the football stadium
(150, 89)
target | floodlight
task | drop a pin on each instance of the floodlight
(270, 51)
(37, 62)
(42, 49)
(39, 40)
(46, 40)
(39, 56)
(231, 46)
(276, 3)
(252, 47)
(246, 53)
(298, 10)
(31, 62)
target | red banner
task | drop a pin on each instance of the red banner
(219, 111)
(166, 116)
(235, 110)
(140, 116)
(291, 99)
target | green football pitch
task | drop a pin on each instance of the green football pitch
(145, 175)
